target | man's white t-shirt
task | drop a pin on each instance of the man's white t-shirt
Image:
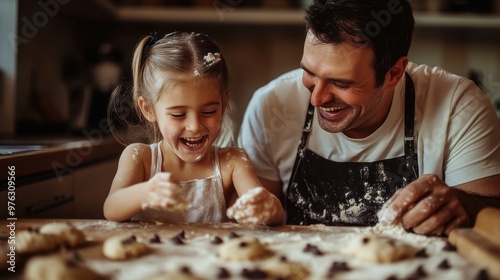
(457, 131)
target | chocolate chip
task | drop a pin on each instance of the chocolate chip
(155, 239)
(34, 230)
(243, 244)
(337, 267)
(129, 240)
(418, 274)
(365, 240)
(421, 254)
(177, 240)
(233, 234)
(76, 256)
(392, 277)
(449, 247)
(223, 273)
(253, 273)
(283, 259)
(181, 235)
(74, 260)
(482, 275)
(444, 264)
(216, 240)
(313, 250)
(185, 270)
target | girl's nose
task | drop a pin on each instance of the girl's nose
(193, 124)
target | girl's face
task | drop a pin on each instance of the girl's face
(189, 115)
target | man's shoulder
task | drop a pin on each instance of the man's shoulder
(423, 72)
(284, 86)
(291, 78)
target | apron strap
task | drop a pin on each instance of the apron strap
(409, 116)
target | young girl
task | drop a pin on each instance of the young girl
(180, 93)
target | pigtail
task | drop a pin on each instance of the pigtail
(126, 122)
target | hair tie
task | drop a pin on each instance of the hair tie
(152, 40)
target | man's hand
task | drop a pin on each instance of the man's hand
(426, 206)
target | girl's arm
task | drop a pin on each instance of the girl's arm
(255, 204)
(128, 190)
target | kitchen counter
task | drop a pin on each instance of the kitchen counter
(317, 248)
(58, 158)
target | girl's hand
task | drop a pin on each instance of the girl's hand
(164, 193)
(257, 206)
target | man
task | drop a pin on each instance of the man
(359, 128)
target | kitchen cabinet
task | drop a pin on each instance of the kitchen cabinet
(67, 180)
(91, 187)
(79, 195)
(49, 198)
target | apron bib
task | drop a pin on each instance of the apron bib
(348, 193)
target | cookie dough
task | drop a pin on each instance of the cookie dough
(121, 247)
(31, 241)
(182, 274)
(70, 235)
(379, 248)
(56, 267)
(281, 268)
(243, 249)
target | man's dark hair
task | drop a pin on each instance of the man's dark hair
(385, 25)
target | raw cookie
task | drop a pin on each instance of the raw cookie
(243, 249)
(280, 268)
(70, 235)
(379, 249)
(31, 241)
(121, 247)
(181, 274)
(55, 267)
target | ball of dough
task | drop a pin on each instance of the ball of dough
(58, 268)
(32, 241)
(121, 247)
(182, 274)
(70, 235)
(243, 249)
(379, 249)
(284, 269)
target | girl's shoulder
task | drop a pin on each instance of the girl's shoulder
(233, 155)
(137, 152)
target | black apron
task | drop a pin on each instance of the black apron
(348, 193)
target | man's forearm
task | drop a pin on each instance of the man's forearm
(473, 203)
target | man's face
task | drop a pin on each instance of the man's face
(341, 79)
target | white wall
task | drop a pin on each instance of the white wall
(8, 29)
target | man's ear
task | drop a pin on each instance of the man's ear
(395, 74)
(146, 110)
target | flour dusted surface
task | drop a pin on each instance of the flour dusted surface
(320, 249)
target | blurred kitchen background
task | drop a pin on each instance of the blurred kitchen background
(60, 59)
